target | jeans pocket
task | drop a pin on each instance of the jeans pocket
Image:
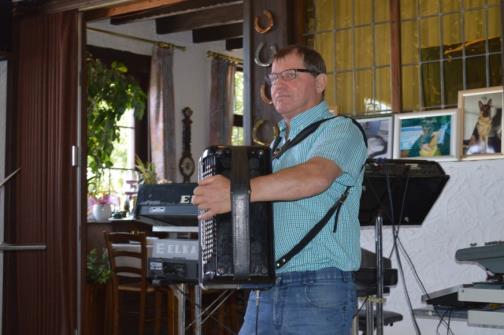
(335, 294)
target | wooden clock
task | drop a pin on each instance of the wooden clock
(186, 162)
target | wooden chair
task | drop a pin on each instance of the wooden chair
(128, 260)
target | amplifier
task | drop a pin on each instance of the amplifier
(166, 204)
(174, 261)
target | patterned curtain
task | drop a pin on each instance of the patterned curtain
(221, 101)
(162, 113)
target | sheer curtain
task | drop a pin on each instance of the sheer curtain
(162, 113)
(221, 101)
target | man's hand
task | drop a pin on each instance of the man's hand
(213, 194)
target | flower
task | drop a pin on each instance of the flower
(103, 199)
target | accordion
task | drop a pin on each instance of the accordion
(236, 249)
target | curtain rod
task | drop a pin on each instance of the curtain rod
(158, 43)
(230, 59)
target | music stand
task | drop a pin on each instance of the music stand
(397, 192)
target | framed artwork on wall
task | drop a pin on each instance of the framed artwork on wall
(426, 135)
(480, 114)
(379, 135)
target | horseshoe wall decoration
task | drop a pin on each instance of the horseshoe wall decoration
(257, 55)
(257, 126)
(269, 17)
(265, 97)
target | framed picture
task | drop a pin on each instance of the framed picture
(379, 135)
(426, 135)
(480, 114)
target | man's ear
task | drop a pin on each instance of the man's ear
(321, 82)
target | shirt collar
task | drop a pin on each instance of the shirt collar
(301, 121)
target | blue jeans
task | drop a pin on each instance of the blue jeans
(305, 303)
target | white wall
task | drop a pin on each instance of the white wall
(191, 70)
(470, 209)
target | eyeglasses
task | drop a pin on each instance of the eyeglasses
(287, 75)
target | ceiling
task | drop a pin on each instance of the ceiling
(209, 20)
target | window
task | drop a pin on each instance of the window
(237, 138)
(350, 35)
(121, 178)
(446, 46)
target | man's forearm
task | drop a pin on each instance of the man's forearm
(300, 181)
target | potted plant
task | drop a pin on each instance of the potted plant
(110, 92)
(98, 274)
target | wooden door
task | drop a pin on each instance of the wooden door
(40, 295)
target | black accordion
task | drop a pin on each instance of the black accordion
(237, 248)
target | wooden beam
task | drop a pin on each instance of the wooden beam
(173, 9)
(395, 55)
(218, 33)
(234, 43)
(57, 6)
(195, 20)
(130, 7)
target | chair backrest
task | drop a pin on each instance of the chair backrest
(128, 257)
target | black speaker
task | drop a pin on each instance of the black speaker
(5, 25)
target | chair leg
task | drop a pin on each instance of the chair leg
(141, 321)
(115, 312)
(157, 308)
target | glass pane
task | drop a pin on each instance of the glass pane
(429, 7)
(382, 12)
(452, 35)
(383, 100)
(309, 41)
(363, 12)
(237, 136)
(343, 14)
(127, 119)
(409, 42)
(431, 85)
(450, 6)
(344, 93)
(453, 80)
(324, 14)
(344, 50)
(495, 70)
(364, 39)
(329, 92)
(429, 38)
(363, 91)
(476, 72)
(238, 93)
(474, 32)
(310, 19)
(382, 43)
(408, 9)
(123, 155)
(324, 45)
(115, 182)
(494, 23)
(473, 3)
(410, 88)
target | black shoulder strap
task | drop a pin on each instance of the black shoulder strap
(277, 152)
(335, 208)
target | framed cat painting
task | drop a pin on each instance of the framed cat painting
(480, 127)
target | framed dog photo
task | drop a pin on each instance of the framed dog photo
(379, 135)
(426, 135)
(480, 113)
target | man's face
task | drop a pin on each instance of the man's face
(293, 97)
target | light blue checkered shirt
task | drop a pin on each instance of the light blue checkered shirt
(340, 141)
